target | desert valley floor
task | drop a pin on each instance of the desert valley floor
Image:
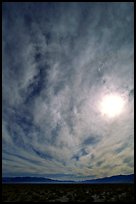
(68, 192)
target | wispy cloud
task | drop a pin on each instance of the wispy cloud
(59, 60)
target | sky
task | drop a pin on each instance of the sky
(59, 62)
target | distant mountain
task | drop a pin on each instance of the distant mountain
(112, 179)
(31, 180)
(25, 179)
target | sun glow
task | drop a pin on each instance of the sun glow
(112, 105)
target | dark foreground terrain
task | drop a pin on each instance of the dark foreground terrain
(68, 192)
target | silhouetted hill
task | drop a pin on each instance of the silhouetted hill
(30, 179)
(112, 179)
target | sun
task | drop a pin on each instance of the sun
(112, 105)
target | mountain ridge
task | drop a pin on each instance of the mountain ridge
(111, 179)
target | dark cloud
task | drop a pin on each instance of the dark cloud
(42, 154)
(129, 161)
(81, 153)
(121, 148)
(131, 94)
(92, 140)
(99, 163)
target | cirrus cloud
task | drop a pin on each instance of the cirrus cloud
(59, 60)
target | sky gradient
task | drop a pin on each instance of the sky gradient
(59, 61)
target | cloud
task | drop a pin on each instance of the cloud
(59, 60)
(91, 140)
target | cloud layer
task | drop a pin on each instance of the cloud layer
(59, 61)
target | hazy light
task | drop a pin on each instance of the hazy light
(112, 105)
